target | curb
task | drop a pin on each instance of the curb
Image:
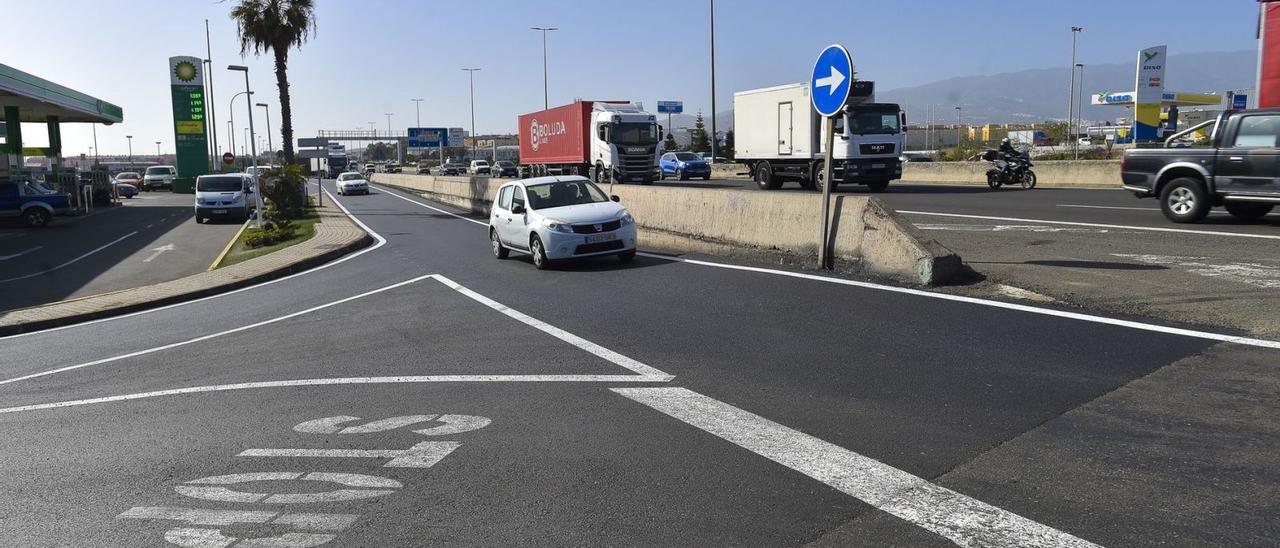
(140, 301)
(227, 249)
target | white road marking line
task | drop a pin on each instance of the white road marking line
(410, 379)
(379, 241)
(1097, 225)
(1110, 207)
(194, 516)
(554, 331)
(210, 488)
(422, 455)
(956, 517)
(433, 208)
(1246, 341)
(158, 251)
(1008, 228)
(20, 253)
(214, 335)
(72, 261)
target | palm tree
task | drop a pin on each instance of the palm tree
(276, 26)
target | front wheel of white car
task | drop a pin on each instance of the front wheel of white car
(540, 260)
(498, 250)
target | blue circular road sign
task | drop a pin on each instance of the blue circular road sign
(829, 84)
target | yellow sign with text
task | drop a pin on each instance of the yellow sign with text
(189, 127)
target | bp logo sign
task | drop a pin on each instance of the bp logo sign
(185, 71)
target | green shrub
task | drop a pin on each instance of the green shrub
(287, 191)
(270, 234)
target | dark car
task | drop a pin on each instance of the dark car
(505, 168)
(453, 169)
(684, 165)
(1234, 166)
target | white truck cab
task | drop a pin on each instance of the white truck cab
(624, 143)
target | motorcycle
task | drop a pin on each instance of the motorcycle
(1009, 169)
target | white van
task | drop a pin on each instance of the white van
(159, 177)
(224, 196)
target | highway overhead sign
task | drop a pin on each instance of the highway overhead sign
(306, 142)
(829, 83)
(428, 137)
(670, 107)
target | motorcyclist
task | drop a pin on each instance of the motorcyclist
(1006, 148)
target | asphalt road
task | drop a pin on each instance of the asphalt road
(152, 238)
(1099, 249)
(421, 392)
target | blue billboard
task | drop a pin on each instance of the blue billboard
(670, 107)
(1240, 101)
(429, 137)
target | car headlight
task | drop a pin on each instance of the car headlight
(627, 219)
(556, 226)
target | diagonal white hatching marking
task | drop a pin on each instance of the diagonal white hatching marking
(956, 517)
(1257, 275)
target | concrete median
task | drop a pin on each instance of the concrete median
(1049, 174)
(867, 235)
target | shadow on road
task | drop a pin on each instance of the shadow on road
(73, 254)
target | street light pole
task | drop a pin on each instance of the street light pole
(270, 147)
(472, 73)
(959, 116)
(157, 151)
(1079, 109)
(389, 115)
(231, 110)
(545, 30)
(253, 147)
(130, 138)
(213, 114)
(417, 113)
(714, 136)
(1071, 95)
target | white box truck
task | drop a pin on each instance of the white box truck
(779, 136)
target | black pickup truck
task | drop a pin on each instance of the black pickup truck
(1238, 169)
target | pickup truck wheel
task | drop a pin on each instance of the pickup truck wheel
(1248, 211)
(764, 177)
(36, 217)
(1183, 200)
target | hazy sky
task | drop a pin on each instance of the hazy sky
(370, 57)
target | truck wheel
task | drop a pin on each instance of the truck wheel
(1183, 200)
(36, 217)
(1248, 211)
(600, 175)
(764, 177)
(878, 186)
(819, 176)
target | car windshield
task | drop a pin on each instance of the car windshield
(687, 156)
(863, 122)
(128, 175)
(479, 163)
(158, 171)
(564, 193)
(505, 163)
(634, 133)
(219, 184)
(350, 177)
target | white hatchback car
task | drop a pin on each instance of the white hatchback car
(351, 183)
(554, 218)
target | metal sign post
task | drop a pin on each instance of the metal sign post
(829, 86)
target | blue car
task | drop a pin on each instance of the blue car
(683, 165)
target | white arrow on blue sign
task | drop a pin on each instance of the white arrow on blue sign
(830, 82)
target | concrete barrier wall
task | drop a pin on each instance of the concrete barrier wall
(1094, 173)
(867, 236)
(1052, 174)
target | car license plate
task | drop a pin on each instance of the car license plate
(219, 212)
(601, 238)
(877, 166)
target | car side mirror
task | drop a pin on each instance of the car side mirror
(615, 198)
(517, 209)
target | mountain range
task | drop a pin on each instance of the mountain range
(1038, 95)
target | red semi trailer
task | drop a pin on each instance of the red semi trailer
(608, 140)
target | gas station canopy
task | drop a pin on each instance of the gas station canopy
(1182, 99)
(38, 99)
